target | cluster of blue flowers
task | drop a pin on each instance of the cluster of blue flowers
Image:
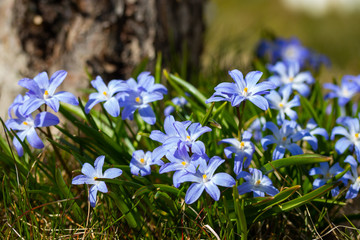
(23, 118)
(181, 151)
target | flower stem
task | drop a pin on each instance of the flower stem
(57, 153)
(240, 116)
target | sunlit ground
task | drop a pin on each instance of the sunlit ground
(235, 26)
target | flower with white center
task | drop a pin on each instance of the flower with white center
(42, 91)
(243, 151)
(256, 182)
(106, 94)
(351, 135)
(141, 163)
(283, 105)
(289, 74)
(205, 179)
(91, 175)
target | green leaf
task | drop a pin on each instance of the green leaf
(309, 108)
(301, 159)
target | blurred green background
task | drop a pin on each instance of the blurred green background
(330, 27)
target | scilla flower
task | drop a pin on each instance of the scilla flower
(289, 74)
(282, 103)
(354, 178)
(243, 89)
(106, 94)
(256, 182)
(141, 163)
(42, 91)
(326, 174)
(243, 151)
(139, 95)
(351, 136)
(205, 179)
(284, 138)
(91, 175)
(25, 127)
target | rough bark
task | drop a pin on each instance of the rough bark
(105, 37)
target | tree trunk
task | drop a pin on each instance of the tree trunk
(104, 37)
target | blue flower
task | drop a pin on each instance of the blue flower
(351, 136)
(91, 175)
(291, 50)
(344, 93)
(42, 91)
(354, 178)
(179, 101)
(243, 151)
(256, 182)
(327, 174)
(16, 106)
(140, 94)
(169, 139)
(204, 178)
(106, 94)
(141, 163)
(25, 127)
(181, 163)
(243, 89)
(289, 74)
(284, 138)
(283, 105)
(312, 129)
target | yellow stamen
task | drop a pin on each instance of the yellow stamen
(242, 144)
(284, 139)
(142, 160)
(291, 79)
(137, 99)
(183, 163)
(281, 105)
(245, 89)
(258, 182)
(188, 138)
(46, 93)
(204, 176)
(105, 93)
(358, 179)
(356, 135)
(25, 123)
(95, 178)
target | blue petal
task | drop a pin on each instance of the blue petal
(112, 173)
(98, 164)
(112, 107)
(252, 78)
(92, 195)
(91, 103)
(223, 179)
(42, 80)
(245, 188)
(194, 192)
(259, 101)
(30, 105)
(339, 131)
(18, 147)
(88, 170)
(212, 190)
(294, 149)
(56, 79)
(53, 103)
(147, 114)
(80, 179)
(99, 85)
(66, 97)
(46, 119)
(102, 187)
(33, 139)
(278, 152)
(342, 144)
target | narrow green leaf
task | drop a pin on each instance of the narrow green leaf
(309, 108)
(302, 159)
